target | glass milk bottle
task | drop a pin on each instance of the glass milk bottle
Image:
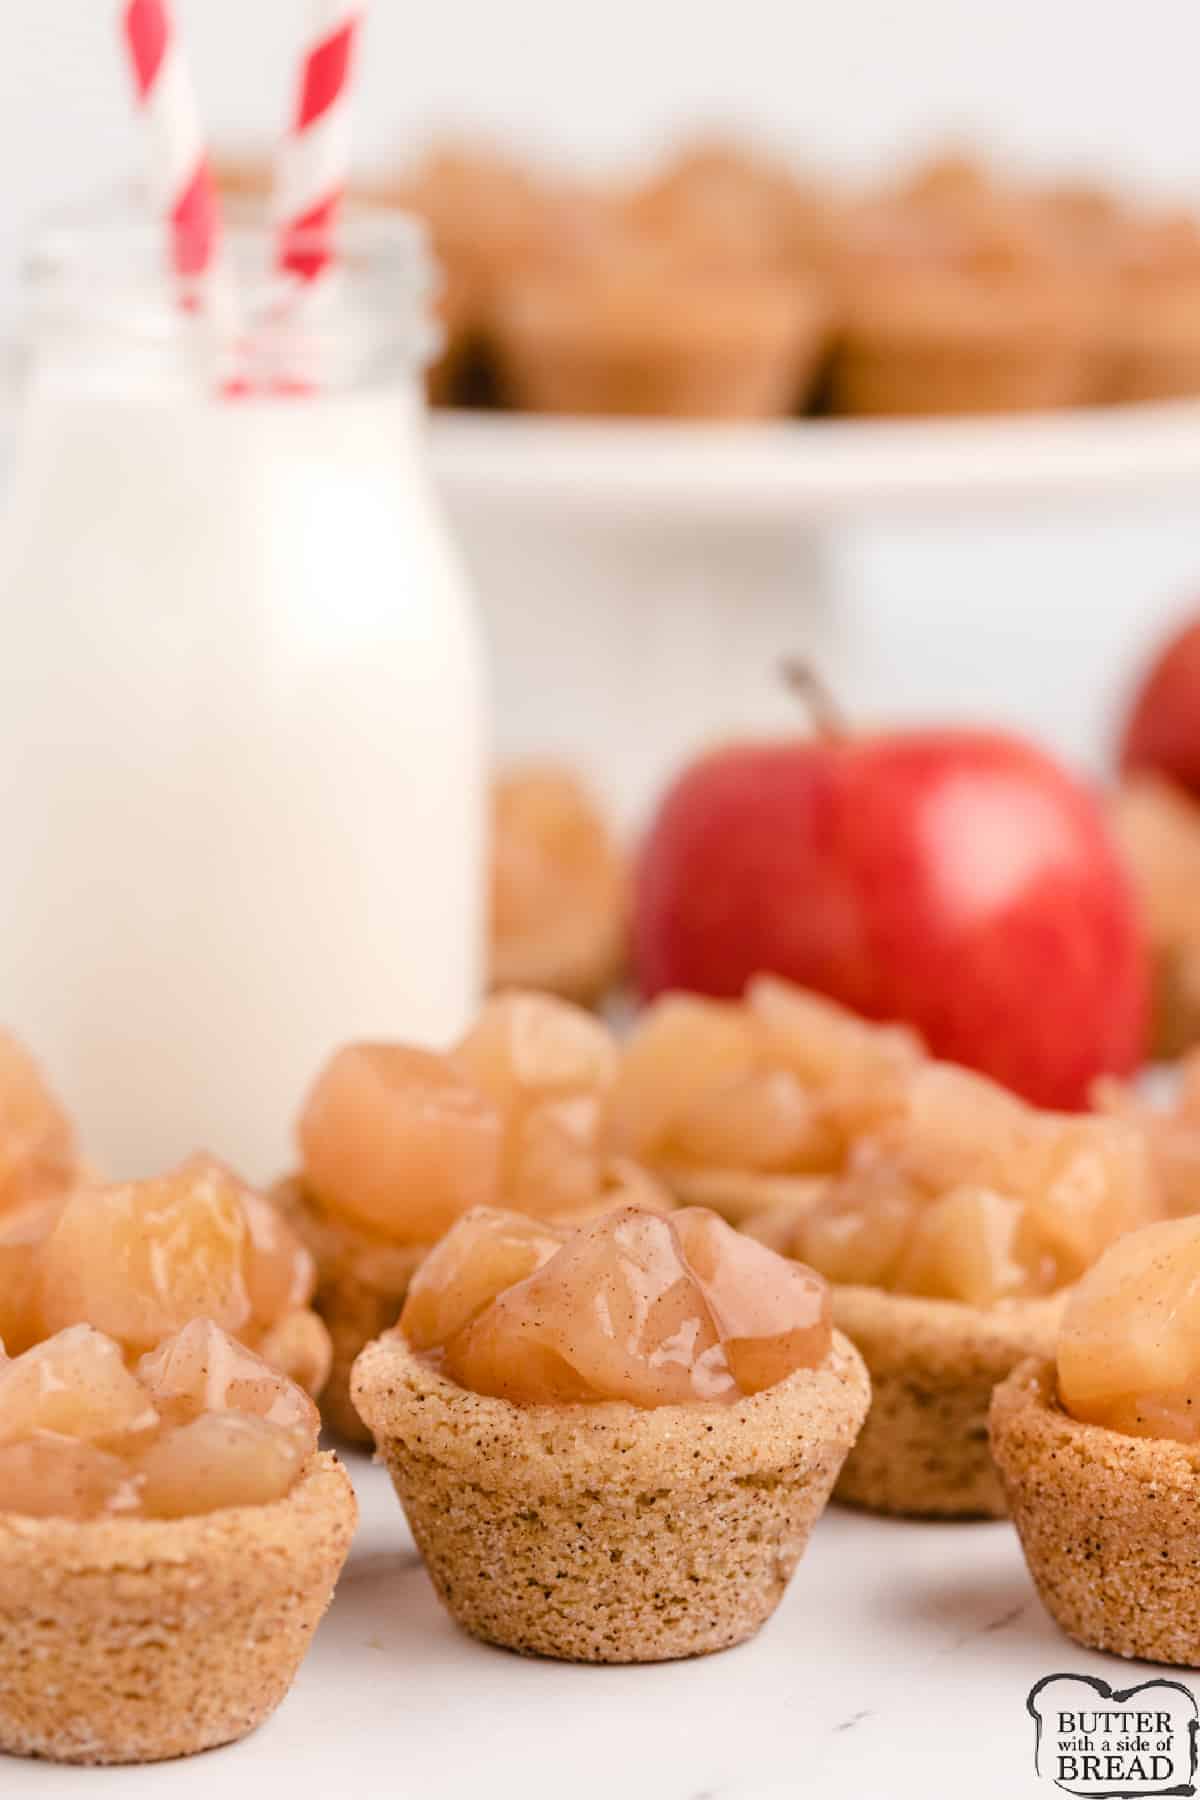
(242, 747)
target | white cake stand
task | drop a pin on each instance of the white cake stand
(811, 471)
(641, 580)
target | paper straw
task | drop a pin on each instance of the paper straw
(315, 160)
(181, 179)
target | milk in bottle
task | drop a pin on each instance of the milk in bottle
(242, 748)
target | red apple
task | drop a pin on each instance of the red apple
(959, 880)
(1163, 733)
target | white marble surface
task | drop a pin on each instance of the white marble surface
(897, 1665)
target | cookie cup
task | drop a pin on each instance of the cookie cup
(694, 348)
(928, 341)
(134, 1640)
(1157, 353)
(610, 1533)
(933, 1365)
(362, 1283)
(1109, 1524)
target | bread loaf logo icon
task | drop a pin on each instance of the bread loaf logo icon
(1115, 1743)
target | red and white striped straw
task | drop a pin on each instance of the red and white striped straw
(315, 161)
(180, 174)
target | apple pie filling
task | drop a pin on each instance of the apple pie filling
(559, 883)
(197, 1424)
(781, 1083)
(1129, 1347)
(400, 1142)
(893, 1170)
(140, 1260)
(1171, 1130)
(37, 1145)
(967, 1193)
(636, 1306)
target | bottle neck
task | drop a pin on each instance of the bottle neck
(104, 316)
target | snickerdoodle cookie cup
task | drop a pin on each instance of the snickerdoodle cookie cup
(962, 303)
(134, 1640)
(923, 1450)
(560, 881)
(1108, 1522)
(362, 1281)
(610, 1532)
(1157, 825)
(649, 337)
(952, 1242)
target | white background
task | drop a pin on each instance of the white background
(1032, 621)
(1089, 83)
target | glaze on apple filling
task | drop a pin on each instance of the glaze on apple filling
(635, 1306)
(1129, 1347)
(197, 1424)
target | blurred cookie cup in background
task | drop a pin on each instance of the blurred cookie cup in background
(397, 1142)
(951, 1240)
(560, 886)
(962, 306)
(654, 334)
(1156, 352)
(1157, 826)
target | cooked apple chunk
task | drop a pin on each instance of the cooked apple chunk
(635, 1306)
(201, 1424)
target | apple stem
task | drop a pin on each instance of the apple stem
(827, 717)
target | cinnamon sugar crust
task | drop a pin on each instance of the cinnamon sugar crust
(923, 1451)
(134, 1640)
(933, 1364)
(610, 1533)
(1109, 1524)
